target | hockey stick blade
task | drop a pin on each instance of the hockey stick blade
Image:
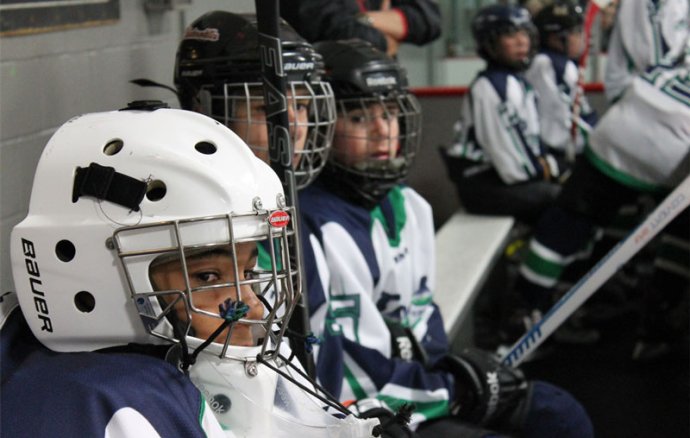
(671, 207)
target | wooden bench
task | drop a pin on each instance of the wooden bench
(467, 249)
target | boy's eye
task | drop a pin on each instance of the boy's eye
(357, 118)
(389, 115)
(207, 277)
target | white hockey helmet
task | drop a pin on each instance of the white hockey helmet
(115, 191)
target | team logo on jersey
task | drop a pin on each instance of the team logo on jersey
(279, 219)
(210, 34)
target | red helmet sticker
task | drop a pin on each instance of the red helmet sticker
(279, 219)
(209, 34)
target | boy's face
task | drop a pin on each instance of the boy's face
(213, 268)
(576, 43)
(367, 133)
(249, 123)
(571, 46)
(515, 46)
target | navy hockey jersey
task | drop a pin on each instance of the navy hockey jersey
(49, 394)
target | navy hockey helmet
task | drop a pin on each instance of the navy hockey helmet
(494, 21)
(218, 73)
(379, 120)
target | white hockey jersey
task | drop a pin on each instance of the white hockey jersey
(365, 267)
(647, 33)
(499, 124)
(555, 80)
(644, 136)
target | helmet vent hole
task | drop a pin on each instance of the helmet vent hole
(156, 190)
(113, 147)
(65, 251)
(84, 301)
(205, 148)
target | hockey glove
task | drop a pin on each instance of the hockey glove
(487, 392)
(404, 344)
(392, 425)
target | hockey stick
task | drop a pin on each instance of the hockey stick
(593, 7)
(280, 150)
(671, 207)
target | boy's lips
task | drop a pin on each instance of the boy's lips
(383, 155)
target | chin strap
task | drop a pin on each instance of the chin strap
(309, 341)
(231, 311)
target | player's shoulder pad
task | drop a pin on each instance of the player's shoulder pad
(8, 303)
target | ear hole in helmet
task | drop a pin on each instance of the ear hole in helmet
(113, 147)
(85, 301)
(155, 190)
(65, 251)
(205, 148)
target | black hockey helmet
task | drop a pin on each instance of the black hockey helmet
(222, 47)
(218, 71)
(355, 69)
(369, 87)
(558, 17)
(492, 22)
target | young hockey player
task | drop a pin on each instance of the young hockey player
(369, 256)
(640, 146)
(554, 76)
(647, 33)
(218, 73)
(497, 161)
(136, 271)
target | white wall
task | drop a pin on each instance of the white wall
(48, 78)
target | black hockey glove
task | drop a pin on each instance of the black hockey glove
(404, 344)
(487, 392)
(392, 425)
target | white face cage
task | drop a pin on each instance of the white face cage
(311, 113)
(273, 280)
(377, 137)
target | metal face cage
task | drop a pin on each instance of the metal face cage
(273, 279)
(377, 137)
(311, 113)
